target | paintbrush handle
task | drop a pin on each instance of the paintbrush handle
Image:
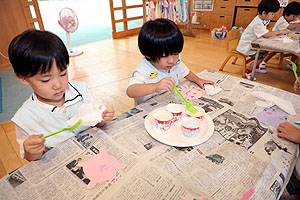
(54, 133)
(296, 75)
(176, 90)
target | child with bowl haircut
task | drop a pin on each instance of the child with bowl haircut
(289, 15)
(40, 60)
(160, 41)
(256, 29)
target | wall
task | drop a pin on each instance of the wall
(12, 23)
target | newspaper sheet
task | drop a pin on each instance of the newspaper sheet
(243, 154)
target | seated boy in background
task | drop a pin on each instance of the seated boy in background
(40, 59)
(256, 29)
(287, 21)
(291, 132)
(160, 41)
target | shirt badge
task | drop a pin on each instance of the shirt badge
(152, 75)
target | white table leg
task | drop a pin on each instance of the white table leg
(254, 65)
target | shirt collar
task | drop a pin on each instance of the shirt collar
(264, 22)
(72, 96)
(161, 70)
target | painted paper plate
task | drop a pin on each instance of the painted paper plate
(174, 135)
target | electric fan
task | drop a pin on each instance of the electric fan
(68, 20)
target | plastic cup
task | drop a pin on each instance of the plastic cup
(163, 119)
(190, 126)
(199, 115)
(176, 110)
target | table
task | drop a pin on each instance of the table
(276, 44)
(243, 158)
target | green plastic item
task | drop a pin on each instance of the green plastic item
(71, 128)
(294, 70)
(188, 104)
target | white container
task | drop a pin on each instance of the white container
(163, 119)
(190, 126)
(176, 110)
(199, 115)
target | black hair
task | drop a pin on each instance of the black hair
(268, 6)
(33, 52)
(159, 38)
(292, 8)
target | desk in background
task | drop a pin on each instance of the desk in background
(276, 44)
(244, 156)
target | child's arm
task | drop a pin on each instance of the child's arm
(34, 147)
(291, 26)
(31, 147)
(297, 87)
(192, 77)
(141, 90)
(107, 115)
(289, 132)
(273, 33)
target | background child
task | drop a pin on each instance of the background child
(287, 21)
(291, 132)
(256, 29)
(160, 41)
(40, 59)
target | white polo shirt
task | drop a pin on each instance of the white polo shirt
(280, 24)
(36, 117)
(146, 73)
(254, 30)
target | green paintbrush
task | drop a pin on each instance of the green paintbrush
(71, 128)
(294, 70)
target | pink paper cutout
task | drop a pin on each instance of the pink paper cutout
(101, 167)
(190, 92)
(248, 194)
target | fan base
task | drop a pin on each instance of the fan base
(75, 52)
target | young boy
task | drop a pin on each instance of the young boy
(287, 21)
(256, 29)
(160, 41)
(40, 60)
(291, 132)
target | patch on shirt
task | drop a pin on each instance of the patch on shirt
(153, 75)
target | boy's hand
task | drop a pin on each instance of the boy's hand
(297, 87)
(284, 31)
(202, 82)
(108, 114)
(289, 132)
(34, 146)
(165, 84)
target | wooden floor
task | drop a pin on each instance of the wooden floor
(106, 67)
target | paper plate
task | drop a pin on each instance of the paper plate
(174, 135)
